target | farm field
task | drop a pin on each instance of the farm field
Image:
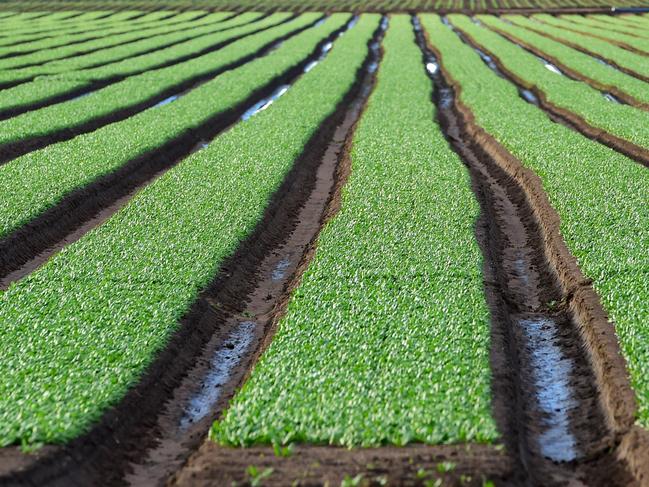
(331, 243)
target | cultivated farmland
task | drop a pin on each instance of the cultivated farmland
(324, 243)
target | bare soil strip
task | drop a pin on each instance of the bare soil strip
(614, 90)
(564, 116)
(561, 392)
(469, 466)
(156, 427)
(585, 50)
(84, 209)
(24, 146)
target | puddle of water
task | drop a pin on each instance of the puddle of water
(279, 272)
(320, 22)
(529, 97)
(265, 103)
(551, 374)
(445, 21)
(601, 61)
(310, 66)
(83, 95)
(327, 47)
(476, 21)
(200, 145)
(612, 98)
(431, 67)
(166, 101)
(352, 22)
(223, 362)
(507, 21)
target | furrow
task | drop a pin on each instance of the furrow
(546, 383)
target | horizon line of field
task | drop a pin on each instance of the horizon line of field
(620, 8)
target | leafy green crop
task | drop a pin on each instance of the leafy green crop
(567, 22)
(386, 340)
(625, 121)
(131, 91)
(85, 326)
(134, 34)
(601, 196)
(52, 172)
(583, 63)
(626, 59)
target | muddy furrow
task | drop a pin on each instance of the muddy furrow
(165, 64)
(584, 49)
(618, 94)
(30, 246)
(166, 416)
(561, 395)
(11, 151)
(559, 114)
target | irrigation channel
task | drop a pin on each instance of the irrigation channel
(549, 397)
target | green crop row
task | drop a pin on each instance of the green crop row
(131, 91)
(85, 326)
(52, 172)
(122, 41)
(591, 31)
(599, 194)
(121, 61)
(625, 121)
(631, 61)
(34, 33)
(386, 340)
(46, 87)
(586, 65)
(609, 25)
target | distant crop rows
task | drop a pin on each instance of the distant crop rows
(395, 284)
(321, 5)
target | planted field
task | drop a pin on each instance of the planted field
(324, 248)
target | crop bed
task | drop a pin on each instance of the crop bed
(323, 248)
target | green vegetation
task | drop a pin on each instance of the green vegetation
(634, 63)
(131, 91)
(600, 195)
(388, 333)
(58, 169)
(578, 61)
(624, 121)
(42, 50)
(86, 325)
(593, 31)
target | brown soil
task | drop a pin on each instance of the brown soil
(519, 226)
(566, 117)
(614, 90)
(470, 465)
(31, 245)
(585, 50)
(140, 440)
(16, 149)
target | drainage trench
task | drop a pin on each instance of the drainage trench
(244, 334)
(546, 399)
(32, 245)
